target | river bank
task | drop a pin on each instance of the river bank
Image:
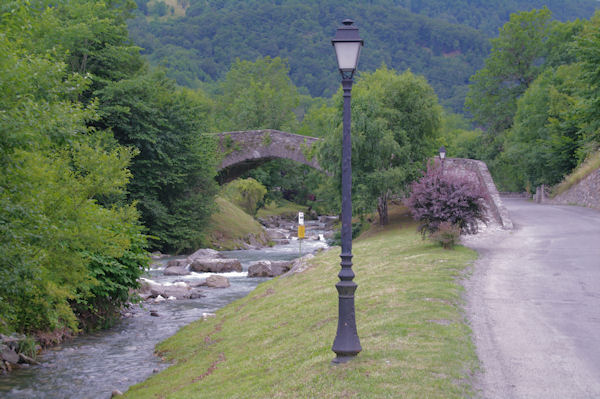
(410, 320)
(92, 365)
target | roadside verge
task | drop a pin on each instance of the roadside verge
(277, 341)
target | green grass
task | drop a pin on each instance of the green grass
(231, 227)
(276, 342)
(281, 208)
(581, 172)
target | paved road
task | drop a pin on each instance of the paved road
(534, 304)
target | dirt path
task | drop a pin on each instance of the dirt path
(534, 304)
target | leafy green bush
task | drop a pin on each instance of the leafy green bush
(246, 193)
(98, 305)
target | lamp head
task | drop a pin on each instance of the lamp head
(347, 44)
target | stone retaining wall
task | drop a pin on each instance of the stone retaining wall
(585, 193)
(477, 172)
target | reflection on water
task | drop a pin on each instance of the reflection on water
(92, 366)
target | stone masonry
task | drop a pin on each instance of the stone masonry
(585, 193)
(246, 149)
(477, 172)
(253, 147)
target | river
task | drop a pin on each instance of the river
(93, 365)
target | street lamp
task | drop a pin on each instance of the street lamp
(442, 156)
(346, 345)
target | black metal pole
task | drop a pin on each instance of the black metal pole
(346, 344)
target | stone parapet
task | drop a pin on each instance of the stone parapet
(477, 172)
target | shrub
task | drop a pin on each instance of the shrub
(446, 197)
(447, 235)
(246, 193)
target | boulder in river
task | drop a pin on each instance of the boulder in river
(204, 253)
(215, 281)
(180, 290)
(216, 265)
(268, 268)
(178, 263)
(9, 355)
(277, 234)
(176, 271)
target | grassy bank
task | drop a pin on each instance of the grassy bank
(276, 342)
(282, 208)
(231, 227)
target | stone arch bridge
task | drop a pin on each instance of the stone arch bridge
(245, 150)
(248, 149)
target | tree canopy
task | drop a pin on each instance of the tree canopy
(534, 99)
(395, 120)
(55, 234)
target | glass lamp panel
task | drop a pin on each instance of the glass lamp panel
(347, 54)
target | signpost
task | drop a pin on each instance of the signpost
(301, 230)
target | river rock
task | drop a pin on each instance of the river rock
(178, 263)
(268, 268)
(179, 290)
(9, 355)
(204, 253)
(216, 265)
(176, 271)
(260, 269)
(195, 294)
(277, 234)
(116, 393)
(214, 281)
(299, 265)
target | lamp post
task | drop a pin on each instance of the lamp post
(442, 156)
(346, 345)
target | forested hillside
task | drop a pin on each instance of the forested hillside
(444, 41)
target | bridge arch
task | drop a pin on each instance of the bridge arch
(248, 149)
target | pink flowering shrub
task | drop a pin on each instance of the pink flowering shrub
(446, 197)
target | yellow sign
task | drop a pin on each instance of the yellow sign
(301, 231)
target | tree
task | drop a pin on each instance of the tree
(246, 193)
(53, 169)
(173, 175)
(541, 146)
(395, 119)
(587, 48)
(257, 95)
(515, 60)
(91, 37)
(459, 138)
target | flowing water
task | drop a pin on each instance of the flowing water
(93, 365)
